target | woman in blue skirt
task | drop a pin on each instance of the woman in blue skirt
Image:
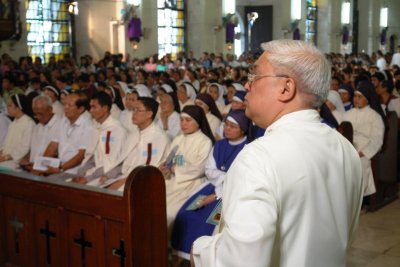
(200, 213)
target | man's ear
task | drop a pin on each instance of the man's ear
(288, 91)
(82, 109)
(150, 116)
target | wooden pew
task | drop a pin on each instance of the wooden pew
(49, 223)
(384, 167)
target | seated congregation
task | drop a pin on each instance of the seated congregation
(97, 126)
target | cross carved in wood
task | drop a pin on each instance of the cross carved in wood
(46, 232)
(120, 252)
(17, 225)
(83, 244)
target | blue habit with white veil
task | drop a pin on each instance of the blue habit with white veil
(191, 224)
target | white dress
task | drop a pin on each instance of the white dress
(214, 123)
(18, 140)
(291, 198)
(190, 159)
(368, 132)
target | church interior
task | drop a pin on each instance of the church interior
(150, 61)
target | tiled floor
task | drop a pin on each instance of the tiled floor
(377, 243)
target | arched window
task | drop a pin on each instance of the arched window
(171, 27)
(312, 22)
(48, 28)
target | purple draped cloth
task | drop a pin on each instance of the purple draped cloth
(230, 32)
(345, 35)
(135, 29)
(383, 37)
(296, 34)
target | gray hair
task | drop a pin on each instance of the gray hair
(305, 64)
(45, 99)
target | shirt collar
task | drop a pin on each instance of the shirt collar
(52, 121)
(148, 129)
(297, 117)
(107, 123)
(79, 121)
(238, 142)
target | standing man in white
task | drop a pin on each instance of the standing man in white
(396, 58)
(293, 196)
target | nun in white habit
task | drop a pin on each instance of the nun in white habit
(368, 126)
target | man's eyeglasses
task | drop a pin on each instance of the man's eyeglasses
(251, 78)
(134, 110)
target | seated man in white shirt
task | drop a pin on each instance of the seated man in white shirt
(43, 133)
(74, 139)
(148, 148)
(111, 136)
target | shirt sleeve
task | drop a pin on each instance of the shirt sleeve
(214, 175)
(24, 145)
(86, 135)
(249, 217)
(377, 130)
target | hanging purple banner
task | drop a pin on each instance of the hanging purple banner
(345, 35)
(296, 34)
(383, 36)
(135, 29)
(230, 32)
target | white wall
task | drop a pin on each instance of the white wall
(368, 38)
(149, 42)
(93, 27)
(203, 33)
(394, 20)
